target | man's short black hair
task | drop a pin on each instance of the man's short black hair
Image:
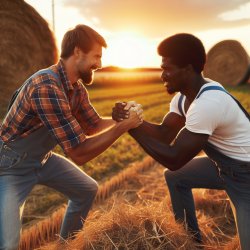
(184, 49)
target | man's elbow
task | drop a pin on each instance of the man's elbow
(175, 163)
(178, 162)
(79, 161)
(76, 158)
(174, 166)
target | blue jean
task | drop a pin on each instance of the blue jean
(201, 172)
(58, 173)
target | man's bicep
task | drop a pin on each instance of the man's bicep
(173, 120)
(173, 123)
(188, 144)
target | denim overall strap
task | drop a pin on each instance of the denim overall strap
(42, 71)
(180, 101)
(222, 89)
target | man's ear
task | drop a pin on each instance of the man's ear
(77, 51)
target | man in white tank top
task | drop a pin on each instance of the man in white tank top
(202, 116)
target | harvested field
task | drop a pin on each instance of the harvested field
(138, 216)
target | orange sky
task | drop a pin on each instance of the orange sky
(134, 28)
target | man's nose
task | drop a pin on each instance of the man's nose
(99, 64)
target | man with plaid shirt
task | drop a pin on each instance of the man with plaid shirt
(53, 107)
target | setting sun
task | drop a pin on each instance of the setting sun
(127, 50)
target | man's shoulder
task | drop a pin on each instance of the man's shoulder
(211, 89)
(45, 78)
(212, 94)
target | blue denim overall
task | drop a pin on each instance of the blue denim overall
(236, 177)
(216, 171)
(28, 161)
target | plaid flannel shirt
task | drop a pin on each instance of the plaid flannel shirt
(63, 108)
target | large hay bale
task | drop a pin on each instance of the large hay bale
(227, 63)
(26, 45)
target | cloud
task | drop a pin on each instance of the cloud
(157, 17)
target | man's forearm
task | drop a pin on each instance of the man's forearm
(96, 144)
(162, 153)
(174, 156)
(103, 124)
(156, 131)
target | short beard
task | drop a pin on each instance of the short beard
(87, 78)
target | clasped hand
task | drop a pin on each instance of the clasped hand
(122, 110)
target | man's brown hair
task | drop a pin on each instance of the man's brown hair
(83, 37)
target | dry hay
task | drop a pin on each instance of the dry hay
(234, 244)
(130, 227)
(214, 202)
(27, 45)
(45, 230)
(140, 217)
(227, 63)
(143, 226)
(42, 232)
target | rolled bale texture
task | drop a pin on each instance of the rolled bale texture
(26, 45)
(227, 63)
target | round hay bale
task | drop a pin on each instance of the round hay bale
(27, 45)
(227, 63)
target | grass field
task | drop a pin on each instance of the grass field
(125, 151)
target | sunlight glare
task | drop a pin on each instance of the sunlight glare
(126, 49)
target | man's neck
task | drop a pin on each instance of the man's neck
(194, 87)
(70, 70)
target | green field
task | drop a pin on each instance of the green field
(125, 151)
